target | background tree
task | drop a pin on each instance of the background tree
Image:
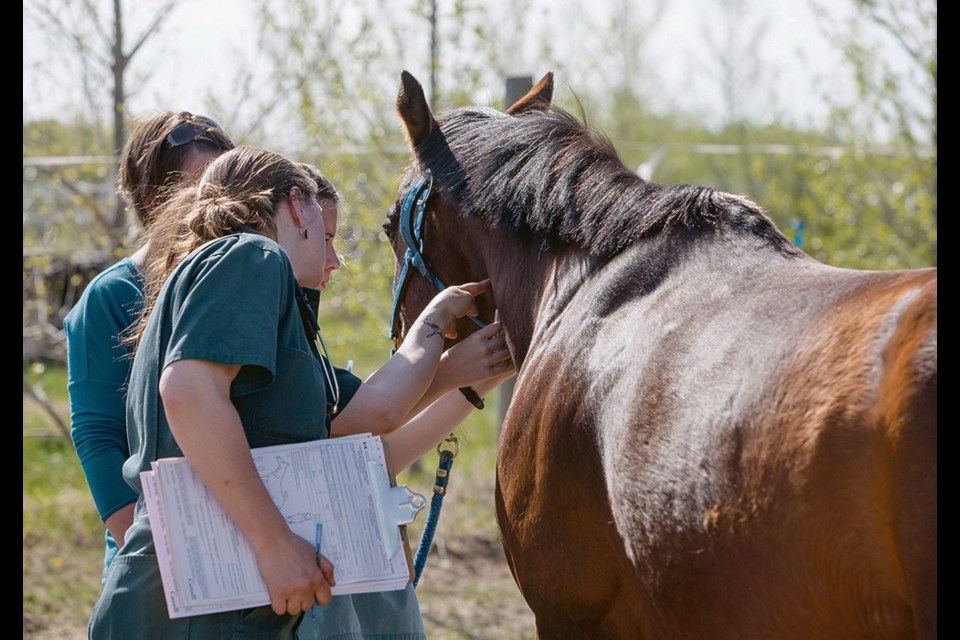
(89, 53)
(890, 50)
(98, 36)
(331, 78)
(319, 81)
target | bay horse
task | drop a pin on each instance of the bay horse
(712, 434)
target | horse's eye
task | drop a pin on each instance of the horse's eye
(389, 229)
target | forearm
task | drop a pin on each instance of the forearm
(104, 474)
(118, 523)
(99, 434)
(392, 392)
(439, 387)
(431, 426)
(481, 361)
(196, 398)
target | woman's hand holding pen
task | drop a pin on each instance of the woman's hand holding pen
(295, 579)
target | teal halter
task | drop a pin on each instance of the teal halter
(411, 229)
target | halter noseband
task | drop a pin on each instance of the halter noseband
(412, 232)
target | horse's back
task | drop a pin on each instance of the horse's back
(800, 495)
(769, 460)
(898, 339)
(861, 400)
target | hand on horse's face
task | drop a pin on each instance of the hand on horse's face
(482, 356)
(456, 302)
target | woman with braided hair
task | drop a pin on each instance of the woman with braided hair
(223, 363)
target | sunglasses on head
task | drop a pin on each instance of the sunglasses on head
(190, 130)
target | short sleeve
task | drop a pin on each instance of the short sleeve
(225, 309)
(348, 384)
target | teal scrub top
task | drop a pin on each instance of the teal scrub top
(98, 361)
(234, 302)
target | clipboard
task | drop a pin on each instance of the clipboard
(396, 507)
(207, 565)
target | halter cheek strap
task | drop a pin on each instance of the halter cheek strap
(411, 230)
(412, 233)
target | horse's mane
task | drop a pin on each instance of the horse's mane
(545, 174)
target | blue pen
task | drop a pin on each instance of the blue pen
(317, 543)
(318, 540)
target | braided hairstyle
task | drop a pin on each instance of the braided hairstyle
(239, 191)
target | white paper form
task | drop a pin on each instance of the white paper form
(332, 486)
(183, 600)
(206, 563)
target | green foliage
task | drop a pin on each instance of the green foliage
(887, 101)
(865, 207)
(328, 66)
(50, 465)
(860, 211)
(67, 206)
(56, 138)
(468, 508)
(864, 187)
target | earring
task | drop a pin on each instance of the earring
(304, 233)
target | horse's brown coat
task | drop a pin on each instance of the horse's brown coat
(712, 435)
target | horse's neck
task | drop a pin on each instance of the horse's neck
(532, 286)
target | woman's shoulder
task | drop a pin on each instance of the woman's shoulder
(246, 259)
(242, 244)
(239, 248)
(119, 286)
(123, 273)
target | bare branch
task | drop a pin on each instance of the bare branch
(94, 13)
(90, 202)
(53, 20)
(158, 19)
(892, 30)
(37, 394)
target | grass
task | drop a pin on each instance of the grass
(63, 536)
(471, 476)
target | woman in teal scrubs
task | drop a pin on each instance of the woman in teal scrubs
(163, 150)
(225, 363)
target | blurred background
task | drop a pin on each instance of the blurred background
(825, 113)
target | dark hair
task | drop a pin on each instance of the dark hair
(325, 188)
(150, 165)
(239, 191)
(547, 175)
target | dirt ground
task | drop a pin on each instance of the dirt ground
(466, 592)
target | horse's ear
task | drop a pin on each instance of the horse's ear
(418, 121)
(537, 99)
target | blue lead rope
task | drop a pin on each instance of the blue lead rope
(439, 492)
